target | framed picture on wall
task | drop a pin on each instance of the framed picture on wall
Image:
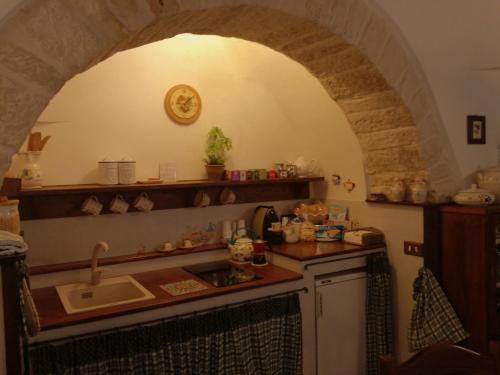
(476, 130)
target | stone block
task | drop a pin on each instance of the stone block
(355, 83)
(342, 61)
(380, 119)
(314, 48)
(420, 106)
(397, 159)
(29, 67)
(387, 139)
(99, 19)
(409, 85)
(19, 109)
(393, 62)
(49, 30)
(370, 102)
(339, 16)
(384, 179)
(374, 38)
(134, 15)
(358, 17)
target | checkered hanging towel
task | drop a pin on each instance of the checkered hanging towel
(379, 321)
(433, 319)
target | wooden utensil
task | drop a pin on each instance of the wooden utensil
(34, 141)
(43, 142)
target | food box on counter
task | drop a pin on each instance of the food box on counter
(328, 233)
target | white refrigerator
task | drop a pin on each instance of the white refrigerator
(340, 323)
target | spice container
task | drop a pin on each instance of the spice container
(9, 216)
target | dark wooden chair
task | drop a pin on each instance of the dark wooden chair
(441, 359)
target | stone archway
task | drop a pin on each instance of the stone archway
(348, 45)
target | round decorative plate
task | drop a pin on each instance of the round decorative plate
(183, 104)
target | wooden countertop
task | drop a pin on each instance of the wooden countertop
(52, 313)
(312, 250)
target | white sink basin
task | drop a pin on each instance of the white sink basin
(114, 291)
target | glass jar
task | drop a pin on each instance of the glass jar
(31, 172)
(9, 216)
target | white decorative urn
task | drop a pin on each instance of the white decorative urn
(418, 191)
(396, 192)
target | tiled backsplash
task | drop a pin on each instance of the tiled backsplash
(70, 239)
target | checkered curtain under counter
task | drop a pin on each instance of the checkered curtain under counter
(253, 339)
(379, 323)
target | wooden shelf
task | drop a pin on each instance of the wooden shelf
(406, 203)
(65, 200)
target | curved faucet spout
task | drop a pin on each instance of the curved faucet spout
(95, 272)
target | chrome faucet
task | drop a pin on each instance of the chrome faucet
(95, 273)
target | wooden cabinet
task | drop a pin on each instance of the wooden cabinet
(468, 269)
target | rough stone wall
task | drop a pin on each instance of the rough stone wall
(349, 46)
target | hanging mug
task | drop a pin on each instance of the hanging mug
(92, 206)
(143, 203)
(118, 205)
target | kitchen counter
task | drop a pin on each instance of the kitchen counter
(52, 313)
(312, 250)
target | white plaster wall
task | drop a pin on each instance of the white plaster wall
(270, 106)
(455, 41)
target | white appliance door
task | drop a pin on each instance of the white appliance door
(340, 324)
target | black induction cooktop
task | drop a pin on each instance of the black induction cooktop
(222, 273)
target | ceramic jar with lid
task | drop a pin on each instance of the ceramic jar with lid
(489, 179)
(9, 216)
(474, 197)
(241, 250)
(30, 172)
(108, 171)
(396, 192)
(126, 171)
(418, 191)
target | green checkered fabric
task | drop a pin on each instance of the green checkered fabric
(433, 319)
(379, 322)
(253, 339)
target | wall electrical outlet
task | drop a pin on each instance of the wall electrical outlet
(414, 248)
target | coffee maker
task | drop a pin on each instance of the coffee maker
(261, 223)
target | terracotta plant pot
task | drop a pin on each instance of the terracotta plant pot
(215, 172)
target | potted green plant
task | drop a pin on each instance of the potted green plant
(217, 145)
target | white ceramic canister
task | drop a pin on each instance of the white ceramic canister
(126, 171)
(108, 171)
